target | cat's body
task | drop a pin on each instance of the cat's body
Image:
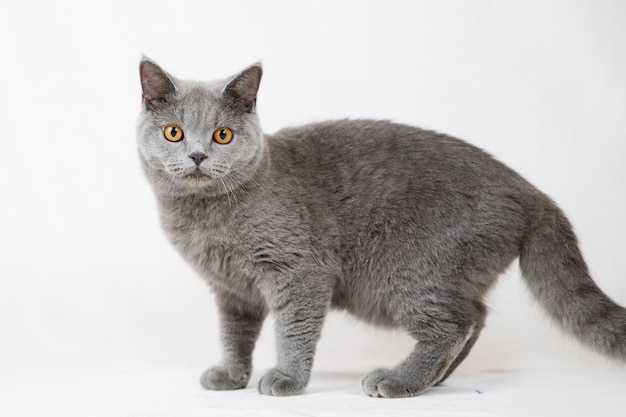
(399, 226)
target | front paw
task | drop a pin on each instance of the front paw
(224, 378)
(278, 383)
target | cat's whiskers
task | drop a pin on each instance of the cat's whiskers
(225, 190)
(228, 180)
(170, 186)
(163, 181)
(242, 182)
(248, 178)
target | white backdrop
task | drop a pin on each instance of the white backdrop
(87, 279)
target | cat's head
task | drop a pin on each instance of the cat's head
(199, 136)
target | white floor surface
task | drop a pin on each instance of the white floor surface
(568, 392)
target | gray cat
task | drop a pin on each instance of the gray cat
(400, 226)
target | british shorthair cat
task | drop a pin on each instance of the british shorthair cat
(399, 226)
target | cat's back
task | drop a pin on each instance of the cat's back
(384, 153)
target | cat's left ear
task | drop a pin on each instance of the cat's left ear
(156, 84)
(243, 88)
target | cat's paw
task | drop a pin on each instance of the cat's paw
(278, 383)
(224, 378)
(387, 383)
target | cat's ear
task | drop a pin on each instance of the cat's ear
(156, 84)
(242, 89)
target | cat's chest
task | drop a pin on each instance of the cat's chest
(208, 237)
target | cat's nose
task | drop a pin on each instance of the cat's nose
(197, 157)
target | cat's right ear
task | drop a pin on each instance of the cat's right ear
(156, 84)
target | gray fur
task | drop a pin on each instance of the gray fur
(399, 226)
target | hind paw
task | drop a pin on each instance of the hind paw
(387, 383)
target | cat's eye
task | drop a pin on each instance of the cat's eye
(223, 135)
(173, 133)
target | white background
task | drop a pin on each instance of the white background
(88, 281)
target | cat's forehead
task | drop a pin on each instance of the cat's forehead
(198, 92)
(195, 102)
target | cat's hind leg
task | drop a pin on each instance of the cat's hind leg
(464, 352)
(445, 333)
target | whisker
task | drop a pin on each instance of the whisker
(240, 184)
(229, 182)
(226, 191)
(251, 179)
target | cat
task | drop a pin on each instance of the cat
(399, 226)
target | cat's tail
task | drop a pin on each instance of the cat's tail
(558, 277)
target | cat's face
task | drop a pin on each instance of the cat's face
(199, 136)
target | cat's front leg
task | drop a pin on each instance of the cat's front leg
(299, 307)
(240, 324)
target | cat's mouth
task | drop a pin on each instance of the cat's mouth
(197, 178)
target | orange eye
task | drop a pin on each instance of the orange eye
(173, 133)
(223, 135)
